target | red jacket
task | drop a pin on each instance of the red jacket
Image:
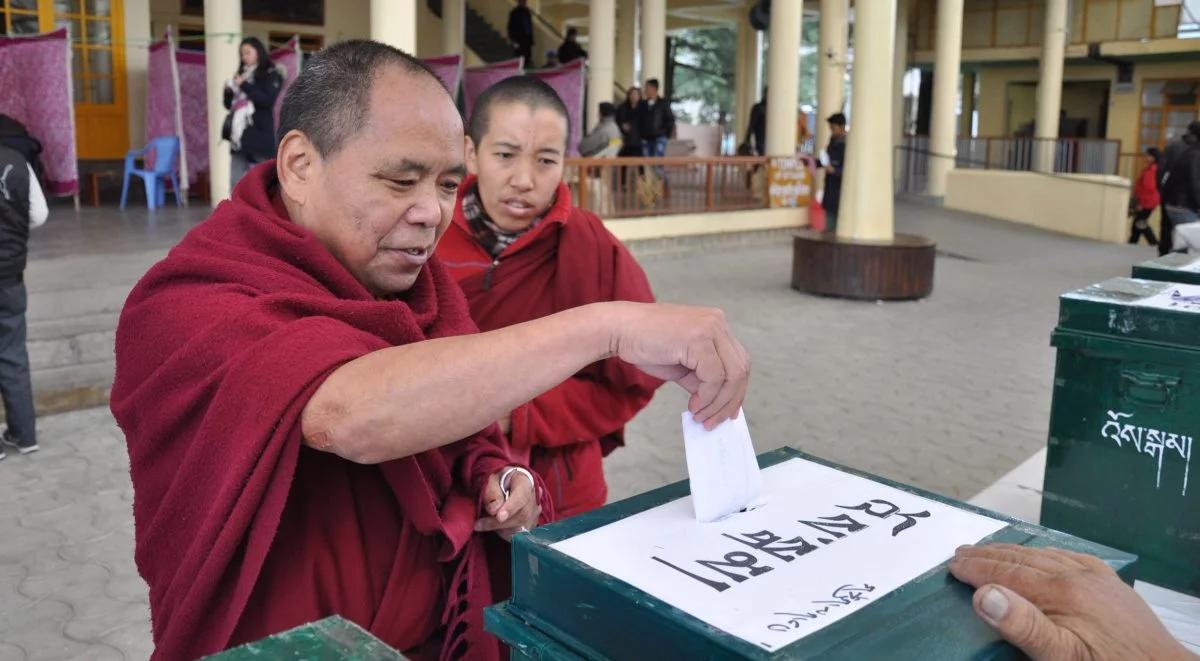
(1146, 188)
(568, 260)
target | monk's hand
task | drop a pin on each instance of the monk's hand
(507, 517)
(692, 346)
(1056, 604)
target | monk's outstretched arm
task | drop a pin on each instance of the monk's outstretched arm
(404, 400)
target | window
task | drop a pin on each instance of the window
(308, 12)
(1167, 108)
(19, 16)
(89, 25)
(309, 43)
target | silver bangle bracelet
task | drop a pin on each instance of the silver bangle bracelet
(507, 472)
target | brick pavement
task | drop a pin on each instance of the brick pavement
(947, 393)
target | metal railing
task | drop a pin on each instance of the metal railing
(1066, 156)
(629, 187)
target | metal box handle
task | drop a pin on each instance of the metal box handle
(1148, 387)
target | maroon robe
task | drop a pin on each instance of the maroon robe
(241, 530)
(569, 259)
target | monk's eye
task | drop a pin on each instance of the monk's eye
(549, 162)
(503, 155)
(450, 186)
(404, 183)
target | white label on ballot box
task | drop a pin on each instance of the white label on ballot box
(826, 544)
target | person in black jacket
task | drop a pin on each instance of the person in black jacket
(631, 139)
(834, 160)
(656, 122)
(1180, 180)
(570, 50)
(520, 32)
(22, 206)
(250, 97)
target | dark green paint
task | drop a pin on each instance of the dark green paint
(564, 609)
(1129, 359)
(1168, 269)
(330, 639)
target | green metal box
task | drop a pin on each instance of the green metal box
(1173, 267)
(563, 608)
(1126, 407)
(331, 639)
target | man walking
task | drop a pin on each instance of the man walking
(22, 206)
(520, 32)
(656, 122)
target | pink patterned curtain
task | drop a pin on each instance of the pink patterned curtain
(288, 60)
(449, 69)
(35, 89)
(162, 92)
(568, 81)
(477, 79)
(194, 100)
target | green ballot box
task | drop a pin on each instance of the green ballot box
(1125, 410)
(837, 564)
(1173, 267)
(330, 639)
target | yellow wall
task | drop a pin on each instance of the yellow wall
(1123, 107)
(990, 24)
(1091, 206)
(691, 224)
(345, 19)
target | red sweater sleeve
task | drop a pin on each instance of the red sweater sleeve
(582, 409)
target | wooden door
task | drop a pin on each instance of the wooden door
(97, 32)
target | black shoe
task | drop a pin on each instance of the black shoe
(18, 445)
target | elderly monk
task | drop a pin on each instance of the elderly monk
(521, 251)
(308, 408)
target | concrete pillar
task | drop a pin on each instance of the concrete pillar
(866, 204)
(137, 30)
(623, 60)
(394, 22)
(947, 62)
(453, 26)
(966, 117)
(602, 28)
(900, 62)
(221, 17)
(654, 41)
(783, 77)
(1050, 80)
(831, 69)
(747, 85)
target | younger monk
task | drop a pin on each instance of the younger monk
(307, 405)
(521, 251)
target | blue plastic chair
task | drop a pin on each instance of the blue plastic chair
(166, 149)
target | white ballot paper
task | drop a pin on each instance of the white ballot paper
(825, 544)
(722, 468)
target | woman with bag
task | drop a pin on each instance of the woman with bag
(250, 97)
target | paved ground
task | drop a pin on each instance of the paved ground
(947, 393)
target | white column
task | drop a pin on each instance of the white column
(831, 68)
(623, 61)
(943, 125)
(1050, 80)
(900, 65)
(745, 75)
(783, 77)
(602, 28)
(223, 24)
(654, 41)
(866, 204)
(453, 28)
(394, 22)
(137, 30)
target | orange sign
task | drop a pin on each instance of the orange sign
(789, 182)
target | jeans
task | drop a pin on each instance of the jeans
(655, 147)
(239, 165)
(15, 386)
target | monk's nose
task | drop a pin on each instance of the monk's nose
(522, 178)
(426, 210)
